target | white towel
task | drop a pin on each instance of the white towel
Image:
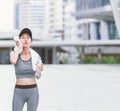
(16, 39)
(36, 61)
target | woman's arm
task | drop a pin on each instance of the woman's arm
(14, 54)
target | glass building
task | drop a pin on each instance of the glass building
(91, 4)
(29, 13)
(103, 26)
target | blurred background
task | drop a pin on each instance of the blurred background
(82, 35)
(64, 31)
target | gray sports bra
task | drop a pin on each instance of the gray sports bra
(23, 69)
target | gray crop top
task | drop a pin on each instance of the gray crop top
(23, 69)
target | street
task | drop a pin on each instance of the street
(69, 88)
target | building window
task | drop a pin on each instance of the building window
(113, 34)
(89, 4)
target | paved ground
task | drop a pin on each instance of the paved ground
(69, 88)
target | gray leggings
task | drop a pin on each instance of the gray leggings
(22, 95)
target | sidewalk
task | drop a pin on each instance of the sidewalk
(69, 88)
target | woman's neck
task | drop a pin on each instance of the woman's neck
(26, 51)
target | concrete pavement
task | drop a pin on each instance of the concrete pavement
(69, 88)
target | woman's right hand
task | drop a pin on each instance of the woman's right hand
(19, 46)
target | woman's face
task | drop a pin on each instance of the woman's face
(26, 40)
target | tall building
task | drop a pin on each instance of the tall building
(55, 17)
(30, 13)
(61, 19)
(97, 20)
(70, 22)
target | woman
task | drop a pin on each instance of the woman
(25, 61)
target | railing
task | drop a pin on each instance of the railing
(82, 44)
(98, 44)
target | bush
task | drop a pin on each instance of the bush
(90, 59)
(104, 60)
(110, 60)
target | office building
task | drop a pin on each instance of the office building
(70, 22)
(98, 20)
(54, 11)
(31, 14)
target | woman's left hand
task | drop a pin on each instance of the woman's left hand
(40, 67)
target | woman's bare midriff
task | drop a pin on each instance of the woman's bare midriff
(25, 81)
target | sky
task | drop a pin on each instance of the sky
(6, 15)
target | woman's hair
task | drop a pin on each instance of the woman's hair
(26, 31)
